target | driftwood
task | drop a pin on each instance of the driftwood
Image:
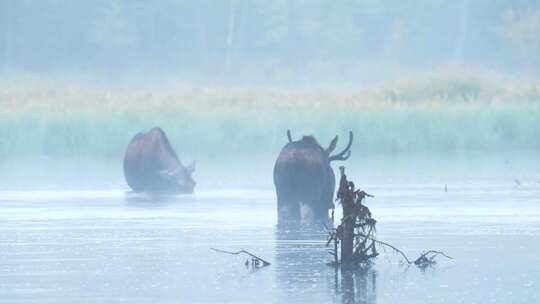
(355, 238)
(428, 258)
(254, 263)
(393, 248)
(425, 259)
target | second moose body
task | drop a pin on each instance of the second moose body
(304, 179)
(151, 165)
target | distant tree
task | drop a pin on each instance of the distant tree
(6, 40)
(112, 27)
(280, 39)
(521, 32)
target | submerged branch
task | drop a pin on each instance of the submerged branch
(425, 260)
(389, 245)
(254, 257)
(437, 253)
(420, 261)
(355, 234)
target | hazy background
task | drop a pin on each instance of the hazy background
(80, 78)
(443, 98)
(285, 41)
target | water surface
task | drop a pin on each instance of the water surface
(98, 244)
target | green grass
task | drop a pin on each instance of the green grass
(435, 115)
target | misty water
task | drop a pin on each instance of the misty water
(71, 232)
(442, 98)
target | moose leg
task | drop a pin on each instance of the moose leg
(288, 210)
(321, 212)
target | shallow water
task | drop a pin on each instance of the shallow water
(98, 244)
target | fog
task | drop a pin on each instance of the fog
(289, 42)
(442, 98)
(229, 77)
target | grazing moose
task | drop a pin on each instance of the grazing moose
(304, 180)
(151, 165)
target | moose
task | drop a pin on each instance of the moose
(304, 179)
(151, 165)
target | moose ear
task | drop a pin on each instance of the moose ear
(191, 168)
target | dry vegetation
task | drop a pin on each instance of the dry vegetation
(429, 90)
(432, 113)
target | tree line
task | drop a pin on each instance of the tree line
(270, 38)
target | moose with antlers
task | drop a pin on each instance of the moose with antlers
(304, 179)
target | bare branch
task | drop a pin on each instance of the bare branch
(357, 229)
(265, 263)
(389, 245)
(436, 253)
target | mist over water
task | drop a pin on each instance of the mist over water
(258, 128)
(442, 98)
(71, 231)
(66, 240)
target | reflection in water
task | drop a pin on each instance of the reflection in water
(359, 286)
(73, 246)
(142, 199)
(301, 268)
(300, 259)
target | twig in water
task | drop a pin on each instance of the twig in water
(423, 260)
(355, 234)
(391, 246)
(256, 262)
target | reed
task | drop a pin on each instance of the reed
(430, 115)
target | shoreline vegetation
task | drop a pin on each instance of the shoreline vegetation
(433, 90)
(432, 114)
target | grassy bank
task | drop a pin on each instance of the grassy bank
(432, 114)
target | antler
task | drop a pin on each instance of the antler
(332, 145)
(346, 153)
(289, 135)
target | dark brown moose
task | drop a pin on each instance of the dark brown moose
(304, 180)
(151, 165)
